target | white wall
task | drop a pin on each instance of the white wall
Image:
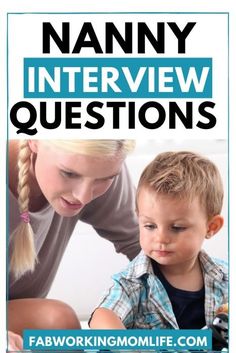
(90, 261)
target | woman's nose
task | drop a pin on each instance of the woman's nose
(83, 192)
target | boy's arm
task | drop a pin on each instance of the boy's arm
(105, 319)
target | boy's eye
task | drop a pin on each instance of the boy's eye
(177, 228)
(150, 226)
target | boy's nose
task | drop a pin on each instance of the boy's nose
(83, 193)
(162, 236)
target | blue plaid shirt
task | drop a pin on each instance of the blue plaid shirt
(139, 299)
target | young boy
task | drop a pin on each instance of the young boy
(172, 283)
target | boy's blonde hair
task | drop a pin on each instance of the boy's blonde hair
(24, 257)
(185, 175)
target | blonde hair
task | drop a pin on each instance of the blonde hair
(185, 175)
(24, 257)
(104, 148)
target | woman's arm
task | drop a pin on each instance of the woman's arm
(15, 342)
(105, 319)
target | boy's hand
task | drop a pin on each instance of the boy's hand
(105, 319)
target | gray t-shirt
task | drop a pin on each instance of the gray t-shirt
(111, 215)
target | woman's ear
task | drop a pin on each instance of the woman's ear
(214, 225)
(33, 145)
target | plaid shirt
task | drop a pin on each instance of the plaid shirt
(138, 297)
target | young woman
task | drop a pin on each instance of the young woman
(53, 184)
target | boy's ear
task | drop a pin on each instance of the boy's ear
(214, 225)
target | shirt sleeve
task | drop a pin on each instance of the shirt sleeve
(113, 215)
(118, 300)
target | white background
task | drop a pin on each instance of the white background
(127, 5)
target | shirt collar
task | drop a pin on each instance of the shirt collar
(140, 266)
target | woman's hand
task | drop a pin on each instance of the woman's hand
(15, 342)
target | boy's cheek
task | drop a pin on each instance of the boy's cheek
(144, 243)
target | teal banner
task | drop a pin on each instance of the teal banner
(118, 77)
(49, 340)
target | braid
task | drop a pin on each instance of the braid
(24, 256)
(23, 176)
